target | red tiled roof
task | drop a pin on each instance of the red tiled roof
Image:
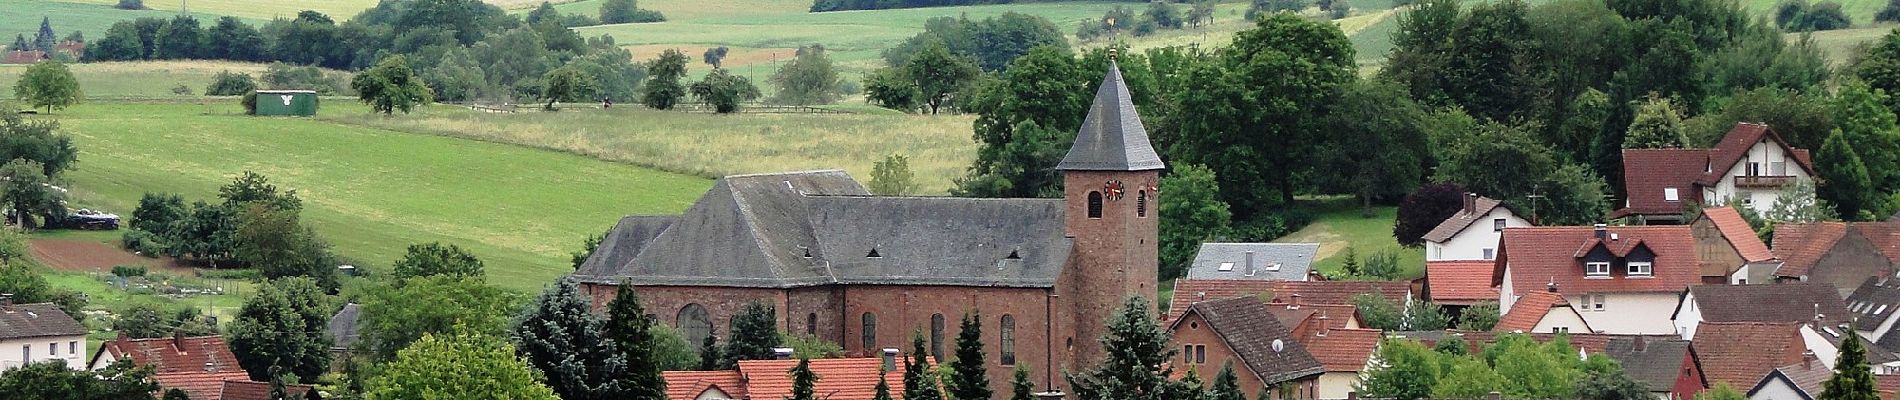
(1309, 318)
(1647, 172)
(1801, 245)
(1461, 219)
(1190, 291)
(1734, 146)
(254, 390)
(198, 365)
(1884, 235)
(1889, 385)
(838, 378)
(1741, 353)
(1342, 350)
(1539, 256)
(1460, 282)
(1528, 310)
(688, 385)
(1739, 234)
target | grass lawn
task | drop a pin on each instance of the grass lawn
(22, 17)
(1841, 46)
(142, 79)
(372, 192)
(712, 145)
(264, 10)
(1338, 224)
(1860, 11)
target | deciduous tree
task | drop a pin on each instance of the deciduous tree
(282, 328)
(939, 74)
(395, 316)
(54, 379)
(807, 79)
(1423, 209)
(892, 176)
(48, 85)
(568, 84)
(1191, 214)
(1657, 126)
(1480, 317)
(458, 366)
(1407, 370)
(391, 86)
(724, 91)
(437, 259)
(663, 88)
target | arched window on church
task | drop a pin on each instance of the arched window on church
(870, 331)
(811, 324)
(694, 323)
(936, 336)
(1095, 204)
(1141, 204)
(1008, 344)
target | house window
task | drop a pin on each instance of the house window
(1560, 329)
(811, 324)
(26, 353)
(1754, 169)
(1596, 301)
(1008, 345)
(1641, 268)
(1141, 204)
(1490, 254)
(1095, 205)
(52, 349)
(936, 336)
(1596, 269)
(1497, 224)
(694, 323)
(1778, 168)
(72, 347)
(1670, 195)
(1200, 354)
(870, 331)
(1194, 354)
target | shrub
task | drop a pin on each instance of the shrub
(142, 242)
(131, 5)
(230, 274)
(250, 103)
(228, 83)
(181, 89)
(127, 271)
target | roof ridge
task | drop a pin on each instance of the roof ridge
(785, 173)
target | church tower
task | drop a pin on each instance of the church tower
(1109, 181)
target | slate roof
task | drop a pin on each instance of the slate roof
(1648, 171)
(253, 390)
(1245, 326)
(1837, 336)
(1271, 261)
(20, 321)
(1781, 302)
(1342, 350)
(812, 228)
(1112, 137)
(1808, 377)
(1460, 282)
(1740, 353)
(1739, 234)
(343, 329)
(1462, 219)
(1189, 291)
(1530, 308)
(198, 365)
(1873, 303)
(1656, 365)
(1540, 256)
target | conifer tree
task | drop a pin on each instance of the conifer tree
(1135, 347)
(1852, 379)
(1021, 388)
(1226, 385)
(559, 336)
(1845, 180)
(803, 381)
(1192, 386)
(883, 389)
(970, 379)
(630, 330)
(46, 38)
(710, 355)
(754, 335)
(919, 383)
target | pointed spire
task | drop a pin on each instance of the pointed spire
(1112, 137)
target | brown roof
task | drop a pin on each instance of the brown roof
(1342, 350)
(1308, 318)
(254, 390)
(1734, 146)
(1653, 362)
(1648, 172)
(1245, 326)
(1189, 291)
(1806, 376)
(1461, 220)
(838, 378)
(21, 321)
(197, 365)
(1741, 353)
(1802, 245)
(1528, 310)
(688, 385)
(1540, 256)
(1781, 302)
(1460, 282)
(1739, 234)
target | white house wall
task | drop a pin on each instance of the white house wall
(1630, 313)
(1766, 153)
(1777, 389)
(1688, 316)
(1470, 243)
(1337, 385)
(11, 356)
(1561, 317)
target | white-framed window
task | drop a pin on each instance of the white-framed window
(1596, 269)
(1754, 168)
(1599, 301)
(1490, 254)
(1671, 195)
(72, 347)
(52, 349)
(1560, 329)
(1642, 268)
(1497, 224)
(26, 352)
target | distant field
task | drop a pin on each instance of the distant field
(1861, 11)
(1841, 46)
(373, 192)
(142, 79)
(939, 147)
(1337, 224)
(255, 9)
(682, 10)
(23, 16)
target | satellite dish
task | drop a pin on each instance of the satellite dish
(1278, 345)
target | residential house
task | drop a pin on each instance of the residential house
(1739, 354)
(1825, 342)
(839, 379)
(1667, 367)
(1254, 261)
(1799, 302)
(1458, 284)
(1730, 251)
(254, 390)
(1332, 333)
(1873, 306)
(1542, 312)
(23, 57)
(1801, 381)
(1471, 233)
(1267, 357)
(1623, 280)
(39, 332)
(1190, 291)
(1751, 164)
(1842, 254)
(197, 365)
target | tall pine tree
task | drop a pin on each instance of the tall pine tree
(631, 331)
(1021, 388)
(1845, 180)
(1852, 379)
(1226, 385)
(803, 381)
(754, 335)
(559, 336)
(45, 39)
(1135, 346)
(970, 378)
(710, 354)
(919, 383)
(883, 389)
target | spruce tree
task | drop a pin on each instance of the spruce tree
(1021, 388)
(803, 381)
(1136, 367)
(631, 331)
(1192, 386)
(883, 389)
(970, 379)
(919, 383)
(754, 335)
(561, 337)
(710, 355)
(1226, 385)
(46, 38)
(1852, 379)
(19, 43)
(1845, 180)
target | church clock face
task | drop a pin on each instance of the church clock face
(1113, 190)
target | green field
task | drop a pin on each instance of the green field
(372, 192)
(266, 10)
(1861, 11)
(22, 17)
(145, 79)
(705, 144)
(1338, 224)
(1841, 46)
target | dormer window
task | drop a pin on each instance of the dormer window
(1596, 269)
(1642, 268)
(1671, 195)
(1497, 224)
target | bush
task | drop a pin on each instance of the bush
(230, 274)
(228, 83)
(250, 103)
(131, 5)
(143, 243)
(181, 89)
(127, 271)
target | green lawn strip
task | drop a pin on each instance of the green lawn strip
(1338, 224)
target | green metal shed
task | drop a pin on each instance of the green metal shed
(301, 103)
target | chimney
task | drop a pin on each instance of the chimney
(1603, 232)
(1294, 304)
(1324, 328)
(1471, 203)
(1639, 344)
(6, 302)
(890, 359)
(178, 341)
(1552, 286)
(781, 353)
(1249, 261)
(1808, 359)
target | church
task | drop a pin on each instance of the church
(868, 272)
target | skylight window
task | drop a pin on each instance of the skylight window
(1226, 267)
(1881, 310)
(1670, 195)
(1274, 267)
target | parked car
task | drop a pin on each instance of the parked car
(92, 220)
